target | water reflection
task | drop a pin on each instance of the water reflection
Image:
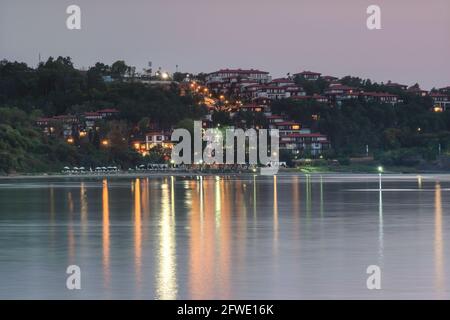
(210, 239)
(52, 214)
(166, 274)
(52, 204)
(275, 213)
(229, 237)
(321, 196)
(145, 198)
(83, 208)
(70, 231)
(439, 242)
(201, 277)
(254, 198)
(137, 233)
(105, 234)
(308, 197)
(223, 233)
(380, 226)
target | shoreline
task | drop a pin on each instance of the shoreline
(284, 172)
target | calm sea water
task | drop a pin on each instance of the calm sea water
(284, 237)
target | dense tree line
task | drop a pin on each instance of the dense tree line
(56, 87)
(401, 134)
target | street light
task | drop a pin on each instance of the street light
(380, 171)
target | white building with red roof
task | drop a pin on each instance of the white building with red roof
(381, 97)
(391, 84)
(313, 144)
(330, 78)
(282, 82)
(314, 97)
(250, 74)
(308, 75)
(441, 101)
(445, 90)
(337, 92)
(107, 113)
(417, 91)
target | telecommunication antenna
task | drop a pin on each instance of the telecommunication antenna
(150, 68)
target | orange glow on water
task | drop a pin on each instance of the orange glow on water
(105, 234)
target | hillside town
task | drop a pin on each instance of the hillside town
(233, 92)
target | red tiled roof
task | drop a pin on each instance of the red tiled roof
(64, 116)
(286, 123)
(416, 89)
(438, 95)
(108, 111)
(282, 80)
(240, 71)
(251, 106)
(306, 135)
(339, 86)
(378, 94)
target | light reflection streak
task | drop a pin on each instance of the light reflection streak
(202, 213)
(321, 196)
(105, 234)
(439, 243)
(217, 202)
(240, 207)
(70, 233)
(308, 197)
(254, 198)
(137, 233)
(223, 239)
(166, 277)
(145, 198)
(380, 227)
(201, 262)
(52, 215)
(275, 213)
(83, 208)
(419, 182)
(296, 205)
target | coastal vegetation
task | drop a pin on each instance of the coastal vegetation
(56, 87)
(404, 134)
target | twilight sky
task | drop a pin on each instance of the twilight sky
(279, 36)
